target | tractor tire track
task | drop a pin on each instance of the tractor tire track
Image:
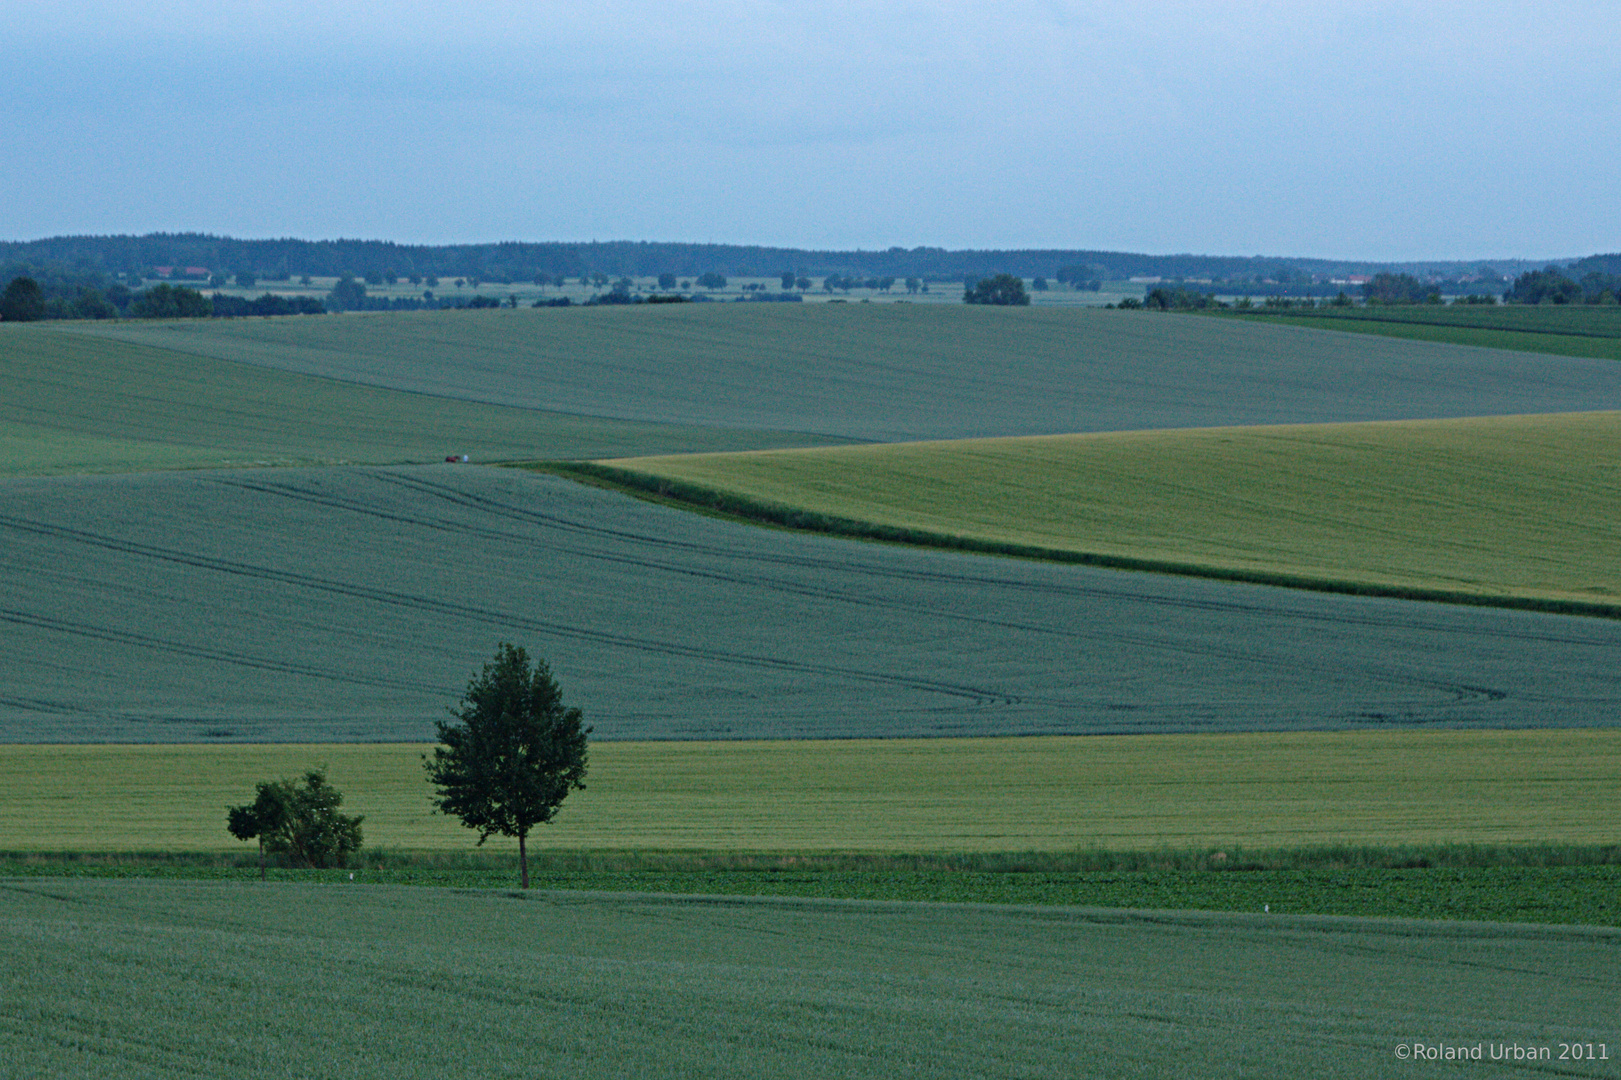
(980, 696)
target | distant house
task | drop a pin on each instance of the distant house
(189, 273)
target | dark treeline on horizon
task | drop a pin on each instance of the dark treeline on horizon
(514, 262)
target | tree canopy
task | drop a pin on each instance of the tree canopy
(23, 300)
(1004, 289)
(513, 753)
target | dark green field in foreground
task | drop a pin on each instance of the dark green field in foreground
(142, 978)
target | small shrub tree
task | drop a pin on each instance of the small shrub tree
(513, 753)
(298, 819)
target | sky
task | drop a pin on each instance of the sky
(1355, 130)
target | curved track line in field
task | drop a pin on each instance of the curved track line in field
(977, 695)
(1114, 633)
(146, 641)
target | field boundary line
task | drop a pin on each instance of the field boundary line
(716, 502)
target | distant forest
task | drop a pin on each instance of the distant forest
(508, 263)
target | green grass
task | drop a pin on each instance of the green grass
(142, 978)
(1558, 330)
(75, 403)
(951, 796)
(1534, 883)
(1512, 510)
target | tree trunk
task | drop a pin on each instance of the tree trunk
(261, 858)
(523, 859)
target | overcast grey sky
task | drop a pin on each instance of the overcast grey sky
(1339, 129)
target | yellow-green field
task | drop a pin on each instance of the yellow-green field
(1500, 507)
(916, 795)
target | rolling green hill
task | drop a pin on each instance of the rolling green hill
(1503, 510)
(73, 403)
(895, 372)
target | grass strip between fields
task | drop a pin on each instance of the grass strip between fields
(1535, 884)
(1512, 512)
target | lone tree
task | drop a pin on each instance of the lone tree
(298, 819)
(513, 753)
(1003, 289)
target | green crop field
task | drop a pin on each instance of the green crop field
(1555, 329)
(141, 978)
(1499, 509)
(894, 371)
(352, 604)
(895, 795)
(75, 403)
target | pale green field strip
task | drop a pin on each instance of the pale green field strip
(73, 403)
(1521, 509)
(157, 979)
(896, 372)
(899, 795)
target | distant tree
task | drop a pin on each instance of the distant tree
(513, 753)
(23, 300)
(803, 283)
(374, 277)
(598, 278)
(788, 279)
(347, 295)
(1387, 288)
(1547, 286)
(416, 279)
(245, 279)
(712, 280)
(298, 819)
(912, 284)
(92, 304)
(306, 280)
(1003, 290)
(666, 280)
(431, 281)
(164, 301)
(1039, 284)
